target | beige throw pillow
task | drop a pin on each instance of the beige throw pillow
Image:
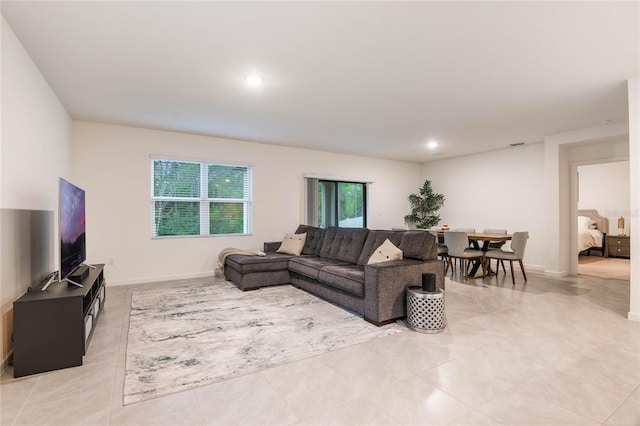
(386, 252)
(292, 244)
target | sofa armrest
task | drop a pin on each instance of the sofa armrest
(385, 286)
(271, 246)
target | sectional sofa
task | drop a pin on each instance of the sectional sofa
(334, 265)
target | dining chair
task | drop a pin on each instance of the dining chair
(468, 231)
(518, 244)
(496, 245)
(458, 248)
(442, 248)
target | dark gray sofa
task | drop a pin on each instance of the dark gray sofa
(333, 266)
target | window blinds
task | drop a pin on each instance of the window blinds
(195, 198)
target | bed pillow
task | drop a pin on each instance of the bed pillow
(584, 222)
(292, 244)
(386, 252)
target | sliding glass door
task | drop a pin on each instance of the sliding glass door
(342, 204)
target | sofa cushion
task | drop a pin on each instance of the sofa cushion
(343, 243)
(292, 244)
(314, 239)
(385, 253)
(249, 264)
(310, 266)
(419, 245)
(374, 239)
(349, 278)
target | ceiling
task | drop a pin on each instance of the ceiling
(368, 78)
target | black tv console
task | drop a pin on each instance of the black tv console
(52, 329)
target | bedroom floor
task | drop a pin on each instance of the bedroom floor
(605, 267)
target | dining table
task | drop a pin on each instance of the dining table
(475, 238)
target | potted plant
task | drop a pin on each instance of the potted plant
(424, 207)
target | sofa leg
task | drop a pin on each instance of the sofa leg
(380, 324)
(251, 288)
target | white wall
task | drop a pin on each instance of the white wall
(112, 164)
(499, 189)
(34, 153)
(605, 187)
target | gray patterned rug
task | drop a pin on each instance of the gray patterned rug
(187, 337)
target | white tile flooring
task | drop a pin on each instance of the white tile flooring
(551, 352)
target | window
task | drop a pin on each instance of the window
(190, 198)
(337, 203)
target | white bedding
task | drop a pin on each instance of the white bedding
(588, 234)
(588, 238)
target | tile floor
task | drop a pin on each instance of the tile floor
(548, 352)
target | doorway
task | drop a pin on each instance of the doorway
(604, 187)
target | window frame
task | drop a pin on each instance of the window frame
(204, 200)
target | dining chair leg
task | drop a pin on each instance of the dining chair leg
(464, 268)
(484, 268)
(522, 269)
(448, 264)
(513, 278)
(503, 268)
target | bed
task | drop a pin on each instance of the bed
(592, 231)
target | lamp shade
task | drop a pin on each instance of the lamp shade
(621, 223)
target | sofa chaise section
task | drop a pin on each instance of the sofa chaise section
(253, 272)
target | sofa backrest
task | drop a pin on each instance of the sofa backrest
(356, 245)
(315, 236)
(343, 243)
(374, 240)
(419, 245)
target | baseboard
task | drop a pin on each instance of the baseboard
(115, 283)
(555, 274)
(536, 269)
(633, 316)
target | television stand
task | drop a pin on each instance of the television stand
(52, 329)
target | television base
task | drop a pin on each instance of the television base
(79, 274)
(71, 282)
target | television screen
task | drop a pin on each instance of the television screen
(72, 228)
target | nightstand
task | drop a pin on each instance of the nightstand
(618, 246)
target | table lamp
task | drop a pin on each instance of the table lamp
(621, 226)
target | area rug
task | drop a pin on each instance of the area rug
(605, 267)
(188, 337)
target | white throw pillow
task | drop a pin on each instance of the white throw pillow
(292, 244)
(386, 252)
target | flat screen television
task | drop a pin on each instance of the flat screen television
(73, 250)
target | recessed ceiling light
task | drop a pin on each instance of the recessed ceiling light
(516, 144)
(607, 121)
(432, 144)
(253, 80)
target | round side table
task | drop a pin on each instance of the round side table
(425, 311)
